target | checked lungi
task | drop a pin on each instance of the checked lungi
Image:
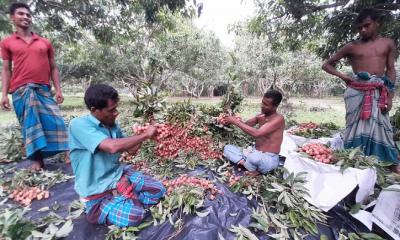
(126, 205)
(43, 128)
(366, 125)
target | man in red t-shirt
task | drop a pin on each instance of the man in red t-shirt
(28, 65)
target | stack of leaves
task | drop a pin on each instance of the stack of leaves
(312, 130)
(186, 195)
(284, 211)
(180, 113)
(235, 182)
(11, 146)
(355, 158)
(224, 134)
(14, 226)
(126, 233)
(210, 110)
(172, 139)
(318, 152)
(148, 101)
(249, 186)
(232, 100)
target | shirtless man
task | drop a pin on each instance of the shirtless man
(264, 156)
(372, 60)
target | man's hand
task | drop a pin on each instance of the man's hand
(5, 103)
(59, 97)
(346, 79)
(230, 119)
(135, 149)
(388, 106)
(151, 131)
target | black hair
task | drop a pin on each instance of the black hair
(97, 96)
(275, 95)
(15, 6)
(368, 12)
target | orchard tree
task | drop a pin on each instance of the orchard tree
(324, 25)
(105, 19)
(260, 65)
(194, 59)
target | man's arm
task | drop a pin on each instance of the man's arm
(265, 129)
(252, 121)
(390, 70)
(5, 78)
(111, 145)
(55, 77)
(135, 149)
(329, 65)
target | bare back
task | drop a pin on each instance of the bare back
(272, 141)
(370, 56)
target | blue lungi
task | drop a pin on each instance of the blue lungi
(43, 128)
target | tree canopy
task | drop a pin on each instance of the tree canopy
(321, 25)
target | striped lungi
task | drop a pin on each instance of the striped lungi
(126, 205)
(43, 128)
(374, 133)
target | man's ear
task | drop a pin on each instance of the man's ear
(92, 109)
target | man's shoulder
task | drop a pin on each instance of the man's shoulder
(387, 41)
(280, 118)
(6, 40)
(45, 40)
(352, 44)
(81, 121)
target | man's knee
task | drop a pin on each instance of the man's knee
(229, 149)
(232, 153)
(134, 218)
(138, 218)
(268, 165)
(252, 162)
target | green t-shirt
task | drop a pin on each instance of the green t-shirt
(95, 171)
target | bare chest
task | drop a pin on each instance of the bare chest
(369, 50)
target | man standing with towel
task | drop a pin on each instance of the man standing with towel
(369, 93)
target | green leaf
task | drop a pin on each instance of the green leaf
(44, 209)
(65, 229)
(202, 214)
(355, 208)
(323, 237)
(371, 236)
(353, 153)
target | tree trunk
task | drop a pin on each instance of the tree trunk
(210, 91)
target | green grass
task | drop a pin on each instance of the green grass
(7, 117)
(329, 109)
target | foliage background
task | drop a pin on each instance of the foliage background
(132, 43)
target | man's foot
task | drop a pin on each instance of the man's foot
(396, 169)
(37, 165)
(66, 158)
(252, 173)
(241, 162)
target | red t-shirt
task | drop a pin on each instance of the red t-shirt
(30, 62)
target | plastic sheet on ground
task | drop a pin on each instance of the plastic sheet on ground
(226, 210)
(327, 185)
